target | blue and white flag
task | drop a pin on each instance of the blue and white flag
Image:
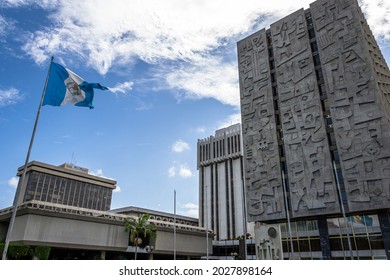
(65, 87)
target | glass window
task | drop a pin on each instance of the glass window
(362, 242)
(304, 245)
(315, 244)
(376, 242)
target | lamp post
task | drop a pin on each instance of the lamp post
(207, 225)
(174, 224)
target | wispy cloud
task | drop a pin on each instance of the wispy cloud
(377, 13)
(13, 182)
(204, 80)
(189, 209)
(39, 3)
(9, 96)
(181, 170)
(199, 56)
(184, 171)
(99, 173)
(232, 119)
(200, 130)
(3, 26)
(180, 146)
(156, 32)
(172, 171)
(117, 189)
(122, 87)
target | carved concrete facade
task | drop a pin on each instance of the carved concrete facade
(315, 94)
(357, 82)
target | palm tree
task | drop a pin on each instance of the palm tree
(139, 229)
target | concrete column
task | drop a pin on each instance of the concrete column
(103, 255)
(324, 239)
(384, 222)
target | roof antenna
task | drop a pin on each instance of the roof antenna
(73, 162)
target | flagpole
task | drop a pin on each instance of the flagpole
(207, 225)
(288, 215)
(21, 181)
(342, 209)
(174, 224)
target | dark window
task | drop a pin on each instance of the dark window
(311, 33)
(315, 244)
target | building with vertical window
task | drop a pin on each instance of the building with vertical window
(221, 193)
(66, 184)
(67, 209)
(315, 111)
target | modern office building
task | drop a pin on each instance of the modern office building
(221, 192)
(66, 184)
(315, 111)
(67, 209)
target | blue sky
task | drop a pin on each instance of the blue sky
(172, 67)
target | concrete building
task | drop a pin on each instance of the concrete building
(190, 238)
(221, 192)
(315, 111)
(66, 184)
(67, 210)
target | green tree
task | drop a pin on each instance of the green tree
(139, 230)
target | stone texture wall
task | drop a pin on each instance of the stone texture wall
(262, 162)
(289, 79)
(355, 77)
(310, 172)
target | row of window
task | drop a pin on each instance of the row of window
(55, 189)
(363, 233)
(223, 147)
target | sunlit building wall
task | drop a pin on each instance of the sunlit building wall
(315, 111)
(221, 200)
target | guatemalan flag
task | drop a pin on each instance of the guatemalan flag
(65, 87)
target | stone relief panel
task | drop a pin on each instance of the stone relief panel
(379, 65)
(357, 104)
(263, 180)
(311, 180)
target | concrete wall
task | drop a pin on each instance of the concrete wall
(311, 66)
(312, 184)
(53, 231)
(262, 161)
(357, 81)
(187, 243)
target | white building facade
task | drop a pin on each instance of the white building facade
(221, 189)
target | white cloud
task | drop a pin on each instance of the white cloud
(41, 3)
(180, 146)
(9, 96)
(122, 87)
(377, 13)
(99, 173)
(232, 119)
(205, 80)
(179, 169)
(156, 31)
(200, 130)
(172, 171)
(3, 26)
(188, 37)
(184, 171)
(13, 182)
(190, 209)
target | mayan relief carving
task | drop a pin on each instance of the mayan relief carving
(357, 103)
(311, 181)
(262, 162)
